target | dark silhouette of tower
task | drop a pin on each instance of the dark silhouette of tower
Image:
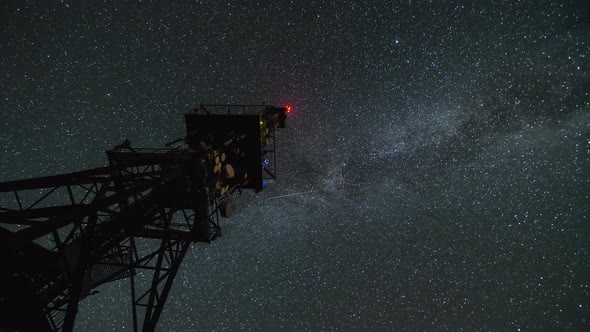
(64, 235)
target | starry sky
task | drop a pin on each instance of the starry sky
(434, 175)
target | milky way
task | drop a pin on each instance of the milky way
(434, 174)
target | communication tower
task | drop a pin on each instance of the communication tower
(62, 236)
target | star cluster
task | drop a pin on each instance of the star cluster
(434, 174)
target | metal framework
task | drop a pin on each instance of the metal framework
(64, 235)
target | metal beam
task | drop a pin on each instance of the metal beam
(83, 177)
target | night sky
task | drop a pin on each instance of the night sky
(434, 175)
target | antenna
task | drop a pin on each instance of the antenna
(64, 235)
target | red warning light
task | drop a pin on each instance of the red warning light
(288, 109)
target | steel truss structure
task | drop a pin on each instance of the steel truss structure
(64, 235)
